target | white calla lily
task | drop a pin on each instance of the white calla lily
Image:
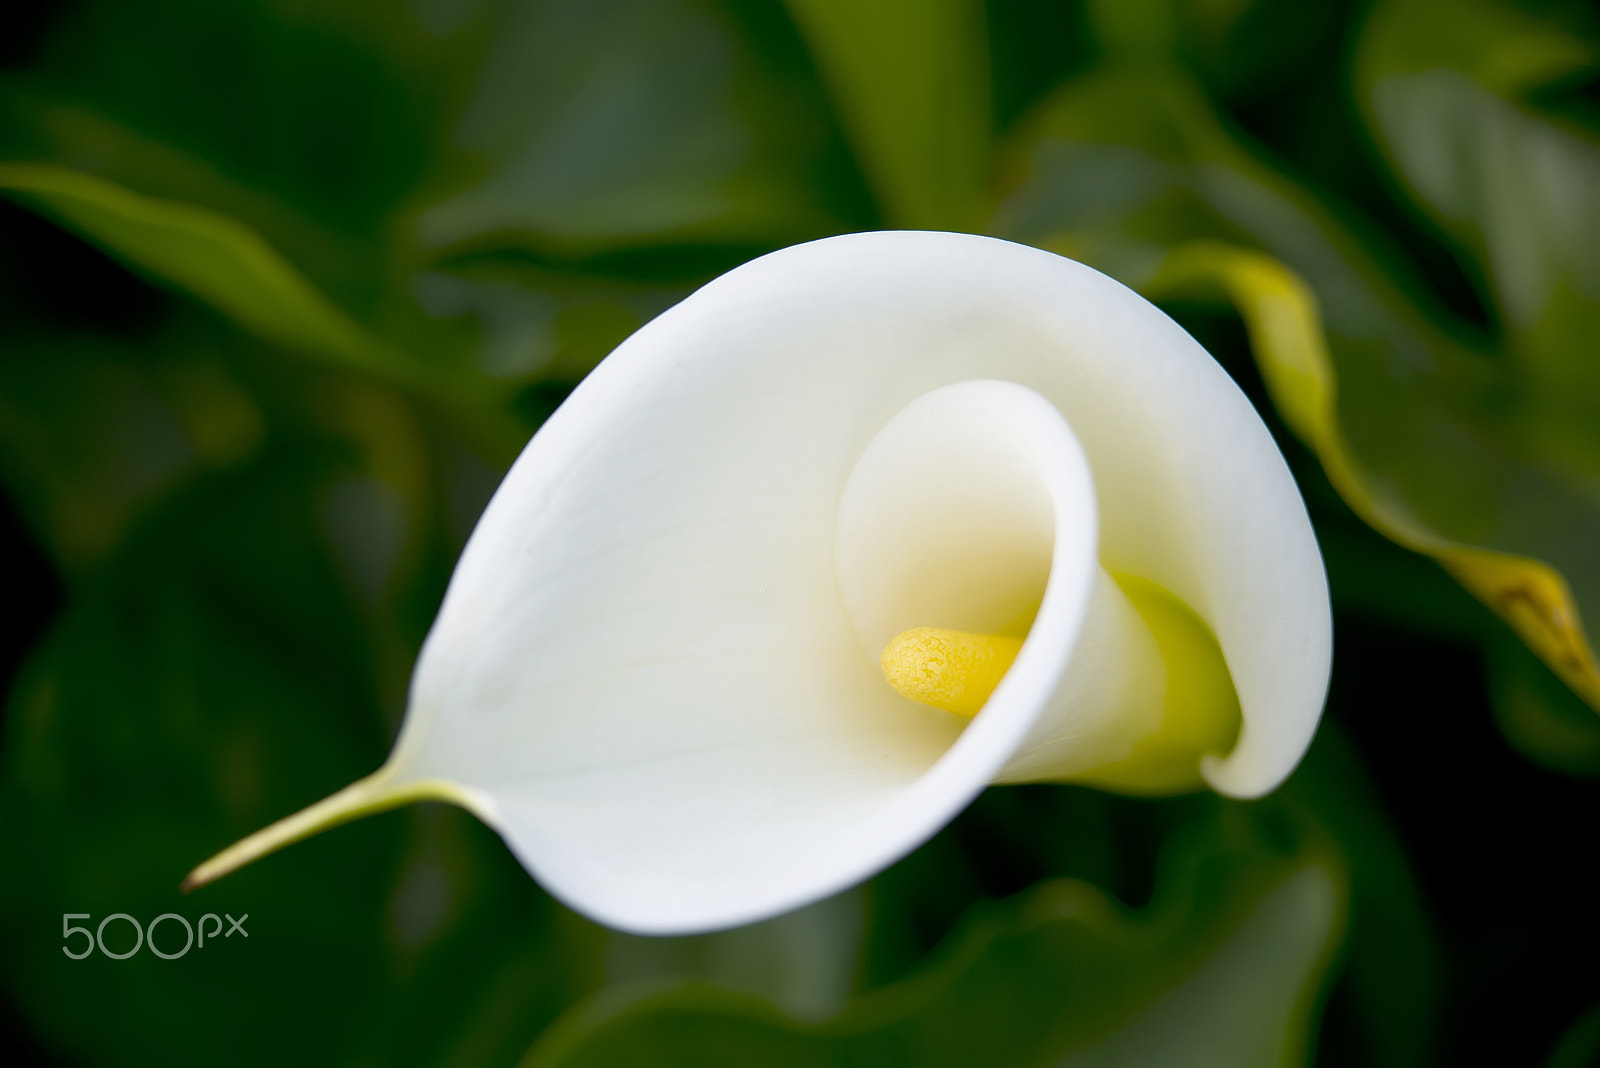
(656, 671)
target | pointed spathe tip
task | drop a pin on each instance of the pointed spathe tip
(364, 797)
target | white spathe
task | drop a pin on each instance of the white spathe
(655, 671)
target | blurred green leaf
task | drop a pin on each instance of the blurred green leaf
(803, 962)
(1287, 336)
(1223, 968)
(1443, 88)
(309, 126)
(240, 647)
(1136, 29)
(1507, 49)
(353, 180)
(227, 265)
(1393, 971)
(626, 123)
(911, 80)
(1538, 715)
(205, 253)
(1129, 170)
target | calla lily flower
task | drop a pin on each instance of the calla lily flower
(849, 534)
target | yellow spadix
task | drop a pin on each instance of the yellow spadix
(948, 669)
(1195, 709)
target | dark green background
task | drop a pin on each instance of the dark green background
(225, 535)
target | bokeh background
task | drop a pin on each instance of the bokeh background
(285, 285)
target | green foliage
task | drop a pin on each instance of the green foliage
(195, 694)
(910, 80)
(1223, 967)
(374, 246)
(444, 179)
(207, 254)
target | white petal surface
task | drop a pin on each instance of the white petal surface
(644, 666)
